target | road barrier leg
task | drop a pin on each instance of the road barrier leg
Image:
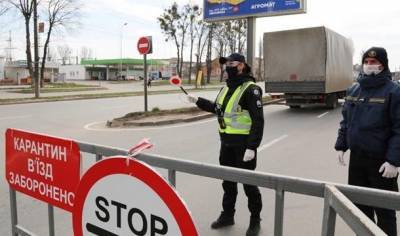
(99, 157)
(172, 177)
(279, 211)
(14, 213)
(329, 217)
(51, 220)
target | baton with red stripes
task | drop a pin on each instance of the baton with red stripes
(139, 147)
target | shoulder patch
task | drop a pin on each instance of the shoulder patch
(256, 92)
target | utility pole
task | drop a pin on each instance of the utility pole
(9, 49)
(120, 50)
(36, 45)
(251, 40)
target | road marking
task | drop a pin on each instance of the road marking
(89, 126)
(323, 114)
(14, 117)
(269, 144)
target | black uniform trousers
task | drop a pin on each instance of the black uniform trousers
(364, 171)
(233, 156)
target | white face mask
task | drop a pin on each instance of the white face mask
(372, 69)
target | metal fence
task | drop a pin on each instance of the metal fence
(338, 198)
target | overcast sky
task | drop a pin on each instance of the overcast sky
(366, 22)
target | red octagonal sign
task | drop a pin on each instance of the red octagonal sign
(144, 45)
(120, 196)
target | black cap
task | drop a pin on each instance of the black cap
(379, 54)
(233, 57)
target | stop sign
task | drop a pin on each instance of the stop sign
(144, 45)
(123, 196)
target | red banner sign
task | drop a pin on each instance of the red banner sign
(43, 167)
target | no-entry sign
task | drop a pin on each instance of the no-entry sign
(120, 196)
(144, 45)
(43, 167)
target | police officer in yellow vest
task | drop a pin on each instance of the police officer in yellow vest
(239, 109)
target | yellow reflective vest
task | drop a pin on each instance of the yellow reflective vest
(237, 120)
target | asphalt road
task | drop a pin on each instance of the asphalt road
(296, 143)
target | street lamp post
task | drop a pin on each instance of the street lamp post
(120, 50)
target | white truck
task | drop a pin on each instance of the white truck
(308, 66)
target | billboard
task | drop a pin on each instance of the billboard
(216, 10)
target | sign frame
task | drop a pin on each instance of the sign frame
(240, 15)
(140, 171)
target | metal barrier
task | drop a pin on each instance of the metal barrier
(339, 198)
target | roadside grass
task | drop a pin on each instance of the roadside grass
(69, 85)
(60, 87)
(92, 96)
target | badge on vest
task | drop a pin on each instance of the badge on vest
(259, 104)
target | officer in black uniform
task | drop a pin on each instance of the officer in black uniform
(238, 144)
(371, 130)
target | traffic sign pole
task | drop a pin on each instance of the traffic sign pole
(145, 82)
(144, 46)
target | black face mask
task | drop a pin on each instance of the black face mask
(232, 72)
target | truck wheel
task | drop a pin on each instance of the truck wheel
(332, 101)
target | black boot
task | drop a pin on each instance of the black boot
(223, 220)
(254, 227)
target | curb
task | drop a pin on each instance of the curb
(116, 123)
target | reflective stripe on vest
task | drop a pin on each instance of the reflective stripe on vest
(237, 120)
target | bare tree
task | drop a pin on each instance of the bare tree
(65, 53)
(36, 48)
(169, 24)
(86, 53)
(201, 35)
(25, 7)
(235, 33)
(194, 14)
(240, 30)
(3, 8)
(183, 25)
(174, 23)
(51, 54)
(221, 43)
(60, 13)
(209, 50)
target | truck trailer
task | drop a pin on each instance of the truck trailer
(308, 66)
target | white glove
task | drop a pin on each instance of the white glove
(191, 98)
(249, 155)
(389, 170)
(341, 158)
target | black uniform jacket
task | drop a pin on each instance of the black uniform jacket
(371, 118)
(251, 101)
